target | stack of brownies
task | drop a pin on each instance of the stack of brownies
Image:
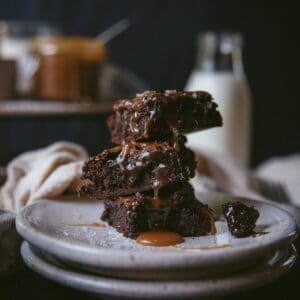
(144, 180)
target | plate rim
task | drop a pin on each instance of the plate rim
(93, 256)
(107, 286)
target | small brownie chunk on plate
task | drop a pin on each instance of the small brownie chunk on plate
(241, 219)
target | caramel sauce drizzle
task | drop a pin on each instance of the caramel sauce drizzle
(210, 247)
(94, 224)
(155, 200)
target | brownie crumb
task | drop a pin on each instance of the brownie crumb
(241, 219)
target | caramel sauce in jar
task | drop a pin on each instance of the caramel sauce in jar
(159, 238)
(67, 68)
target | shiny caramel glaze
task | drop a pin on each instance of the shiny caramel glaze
(155, 116)
(94, 224)
(134, 167)
(210, 247)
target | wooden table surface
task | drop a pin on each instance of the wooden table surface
(28, 285)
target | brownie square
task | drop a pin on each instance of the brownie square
(173, 208)
(155, 116)
(134, 167)
(128, 215)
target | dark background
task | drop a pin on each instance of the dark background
(159, 48)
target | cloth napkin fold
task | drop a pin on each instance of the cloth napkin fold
(56, 169)
(286, 171)
(222, 173)
(46, 172)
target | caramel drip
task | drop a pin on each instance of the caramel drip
(133, 125)
(94, 224)
(210, 247)
(145, 154)
(176, 144)
(159, 238)
(155, 200)
(160, 176)
(122, 156)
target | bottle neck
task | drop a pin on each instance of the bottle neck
(220, 53)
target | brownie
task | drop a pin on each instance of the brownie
(241, 219)
(127, 214)
(134, 167)
(161, 116)
(174, 208)
(191, 219)
(144, 180)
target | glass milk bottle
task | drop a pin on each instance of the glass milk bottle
(219, 70)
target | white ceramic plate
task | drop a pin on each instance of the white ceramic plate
(280, 262)
(47, 225)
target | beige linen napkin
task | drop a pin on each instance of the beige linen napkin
(286, 171)
(269, 182)
(219, 172)
(46, 172)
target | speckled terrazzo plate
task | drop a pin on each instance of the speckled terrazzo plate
(103, 287)
(54, 227)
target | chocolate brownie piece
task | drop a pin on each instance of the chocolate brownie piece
(127, 215)
(241, 219)
(135, 167)
(155, 116)
(195, 219)
(173, 208)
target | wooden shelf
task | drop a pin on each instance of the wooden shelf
(51, 108)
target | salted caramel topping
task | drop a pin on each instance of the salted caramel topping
(135, 157)
(159, 238)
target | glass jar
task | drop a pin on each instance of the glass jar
(68, 68)
(15, 38)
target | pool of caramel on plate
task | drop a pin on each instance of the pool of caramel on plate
(159, 238)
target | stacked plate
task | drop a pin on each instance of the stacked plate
(67, 243)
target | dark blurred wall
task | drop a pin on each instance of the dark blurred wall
(159, 47)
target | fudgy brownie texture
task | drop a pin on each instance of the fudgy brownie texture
(134, 167)
(191, 219)
(174, 208)
(127, 214)
(241, 219)
(161, 116)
